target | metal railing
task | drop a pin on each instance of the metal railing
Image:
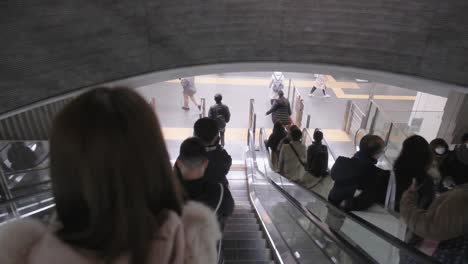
(395, 242)
(297, 103)
(202, 108)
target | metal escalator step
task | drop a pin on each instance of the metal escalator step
(244, 243)
(240, 235)
(247, 254)
(242, 203)
(237, 185)
(245, 227)
(236, 176)
(242, 215)
(239, 192)
(248, 262)
(241, 221)
(240, 198)
(244, 206)
(243, 211)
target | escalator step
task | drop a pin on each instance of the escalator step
(236, 193)
(243, 211)
(247, 262)
(241, 199)
(242, 215)
(240, 235)
(245, 243)
(241, 221)
(247, 254)
(248, 227)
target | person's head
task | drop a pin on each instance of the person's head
(295, 133)
(318, 135)
(465, 139)
(207, 130)
(439, 147)
(280, 94)
(192, 160)
(218, 98)
(416, 155)
(372, 145)
(110, 171)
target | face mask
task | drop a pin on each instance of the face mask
(440, 151)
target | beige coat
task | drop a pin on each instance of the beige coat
(190, 239)
(288, 162)
(446, 217)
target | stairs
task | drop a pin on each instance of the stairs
(243, 238)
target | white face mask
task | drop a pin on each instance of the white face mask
(440, 150)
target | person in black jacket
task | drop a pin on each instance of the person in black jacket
(358, 182)
(317, 156)
(414, 162)
(220, 161)
(273, 141)
(190, 167)
(456, 164)
(220, 112)
(280, 110)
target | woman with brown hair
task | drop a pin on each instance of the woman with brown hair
(116, 198)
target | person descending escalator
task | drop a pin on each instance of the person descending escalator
(190, 167)
(273, 142)
(293, 156)
(116, 199)
(221, 114)
(457, 163)
(219, 160)
(415, 161)
(317, 156)
(21, 156)
(358, 182)
(280, 110)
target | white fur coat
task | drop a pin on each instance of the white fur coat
(190, 238)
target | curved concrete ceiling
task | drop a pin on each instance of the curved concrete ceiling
(53, 47)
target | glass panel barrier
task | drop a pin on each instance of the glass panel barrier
(380, 246)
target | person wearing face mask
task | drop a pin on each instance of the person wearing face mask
(457, 163)
(358, 182)
(440, 151)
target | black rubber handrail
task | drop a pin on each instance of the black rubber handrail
(372, 228)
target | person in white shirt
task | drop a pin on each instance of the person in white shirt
(320, 83)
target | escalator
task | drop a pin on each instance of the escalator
(243, 239)
(274, 221)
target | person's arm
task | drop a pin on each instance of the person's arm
(273, 108)
(446, 218)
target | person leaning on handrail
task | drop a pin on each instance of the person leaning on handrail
(116, 198)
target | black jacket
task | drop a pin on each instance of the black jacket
(358, 173)
(219, 164)
(280, 110)
(209, 193)
(456, 165)
(220, 113)
(313, 152)
(274, 139)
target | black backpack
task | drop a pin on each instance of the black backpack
(319, 164)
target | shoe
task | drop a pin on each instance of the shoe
(326, 96)
(311, 94)
(199, 107)
(185, 108)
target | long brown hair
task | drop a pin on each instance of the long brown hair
(111, 174)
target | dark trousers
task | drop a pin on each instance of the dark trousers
(221, 135)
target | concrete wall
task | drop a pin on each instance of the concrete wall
(50, 47)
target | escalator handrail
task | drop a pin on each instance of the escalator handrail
(370, 227)
(354, 251)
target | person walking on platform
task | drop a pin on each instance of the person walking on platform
(189, 91)
(321, 83)
(280, 110)
(221, 114)
(276, 85)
